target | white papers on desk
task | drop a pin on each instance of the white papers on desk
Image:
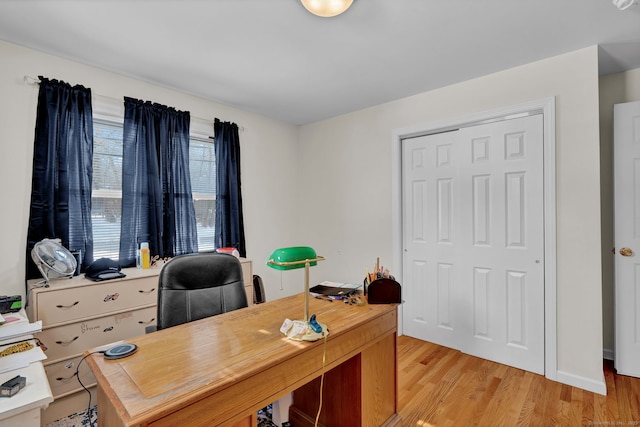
(17, 327)
(346, 286)
(22, 359)
(17, 324)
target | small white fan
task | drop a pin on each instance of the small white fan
(53, 259)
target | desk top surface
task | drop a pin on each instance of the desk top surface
(217, 352)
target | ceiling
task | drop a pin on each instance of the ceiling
(274, 58)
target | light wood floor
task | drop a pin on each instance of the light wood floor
(439, 386)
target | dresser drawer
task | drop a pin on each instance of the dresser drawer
(62, 378)
(70, 304)
(72, 339)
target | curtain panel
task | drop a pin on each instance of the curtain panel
(157, 203)
(62, 170)
(229, 231)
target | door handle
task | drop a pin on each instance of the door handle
(626, 251)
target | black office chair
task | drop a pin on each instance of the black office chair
(195, 286)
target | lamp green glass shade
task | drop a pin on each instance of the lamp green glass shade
(292, 258)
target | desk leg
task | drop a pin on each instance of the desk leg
(380, 384)
(360, 392)
(107, 415)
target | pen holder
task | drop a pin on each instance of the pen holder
(383, 291)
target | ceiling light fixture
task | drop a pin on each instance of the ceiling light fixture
(624, 4)
(326, 8)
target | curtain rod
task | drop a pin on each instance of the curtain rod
(33, 81)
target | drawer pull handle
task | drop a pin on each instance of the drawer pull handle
(65, 380)
(68, 306)
(140, 322)
(67, 342)
(147, 292)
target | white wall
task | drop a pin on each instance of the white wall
(268, 156)
(347, 169)
(614, 89)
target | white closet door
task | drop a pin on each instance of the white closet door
(431, 238)
(627, 237)
(474, 241)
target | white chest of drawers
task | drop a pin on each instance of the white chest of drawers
(78, 314)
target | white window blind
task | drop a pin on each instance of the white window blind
(106, 197)
(202, 166)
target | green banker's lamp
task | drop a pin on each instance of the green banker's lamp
(289, 259)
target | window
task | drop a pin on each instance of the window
(106, 198)
(106, 195)
(202, 166)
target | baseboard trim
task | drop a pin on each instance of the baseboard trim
(588, 384)
(607, 354)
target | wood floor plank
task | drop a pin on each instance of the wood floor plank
(600, 410)
(634, 398)
(530, 410)
(519, 400)
(550, 410)
(563, 413)
(588, 415)
(497, 411)
(612, 392)
(441, 387)
(624, 399)
(469, 391)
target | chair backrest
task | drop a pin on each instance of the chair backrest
(258, 290)
(195, 286)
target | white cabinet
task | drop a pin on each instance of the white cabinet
(78, 314)
(23, 409)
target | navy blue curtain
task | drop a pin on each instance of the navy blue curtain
(62, 170)
(157, 204)
(229, 219)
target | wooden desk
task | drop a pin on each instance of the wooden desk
(220, 370)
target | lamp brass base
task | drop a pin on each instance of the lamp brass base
(312, 335)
